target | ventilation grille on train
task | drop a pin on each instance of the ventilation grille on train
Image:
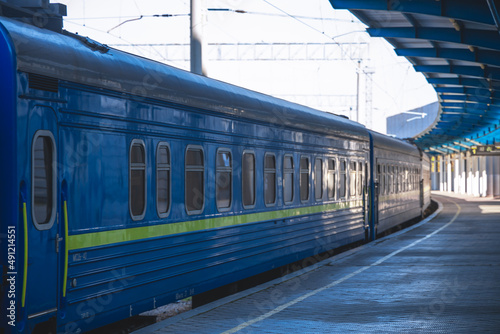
(37, 81)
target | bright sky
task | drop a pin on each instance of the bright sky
(329, 85)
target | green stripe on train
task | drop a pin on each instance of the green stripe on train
(137, 233)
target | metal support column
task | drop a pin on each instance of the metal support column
(443, 173)
(434, 173)
(469, 166)
(358, 98)
(489, 173)
(449, 175)
(475, 176)
(483, 177)
(463, 179)
(496, 176)
(456, 174)
(198, 42)
(464, 173)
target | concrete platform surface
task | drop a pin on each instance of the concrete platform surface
(440, 276)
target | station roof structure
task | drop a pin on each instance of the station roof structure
(456, 45)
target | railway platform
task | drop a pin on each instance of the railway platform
(439, 276)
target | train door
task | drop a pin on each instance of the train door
(41, 215)
(421, 191)
(373, 192)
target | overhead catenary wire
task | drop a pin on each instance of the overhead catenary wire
(238, 11)
(284, 13)
(336, 42)
(143, 16)
(126, 41)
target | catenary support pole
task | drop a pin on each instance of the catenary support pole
(198, 42)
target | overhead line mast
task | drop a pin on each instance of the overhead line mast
(198, 42)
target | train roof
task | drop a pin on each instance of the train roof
(392, 144)
(73, 58)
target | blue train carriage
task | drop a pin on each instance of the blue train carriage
(399, 174)
(130, 184)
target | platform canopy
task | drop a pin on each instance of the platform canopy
(456, 45)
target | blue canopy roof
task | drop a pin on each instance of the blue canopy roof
(456, 45)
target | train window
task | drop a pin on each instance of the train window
(399, 171)
(394, 179)
(417, 176)
(383, 189)
(365, 178)
(380, 179)
(404, 178)
(43, 179)
(248, 179)
(360, 178)
(411, 176)
(407, 179)
(342, 179)
(137, 188)
(400, 179)
(410, 179)
(331, 178)
(414, 179)
(318, 179)
(288, 178)
(163, 179)
(394, 176)
(194, 180)
(304, 179)
(417, 179)
(269, 179)
(352, 178)
(397, 180)
(389, 179)
(224, 179)
(386, 171)
(386, 178)
(379, 174)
